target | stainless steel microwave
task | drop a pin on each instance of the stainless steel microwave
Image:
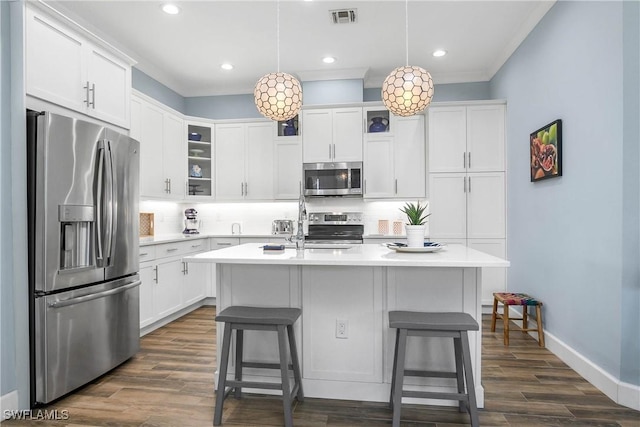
(333, 179)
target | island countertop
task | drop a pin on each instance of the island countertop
(356, 255)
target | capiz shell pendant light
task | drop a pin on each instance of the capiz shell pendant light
(407, 90)
(278, 96)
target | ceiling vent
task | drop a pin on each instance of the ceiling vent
(344, 16)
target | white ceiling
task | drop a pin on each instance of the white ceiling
(185, 51)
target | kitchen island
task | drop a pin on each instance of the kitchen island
(345, 344)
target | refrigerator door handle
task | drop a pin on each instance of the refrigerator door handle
(111, 208)
(99, 206)
(78, 300)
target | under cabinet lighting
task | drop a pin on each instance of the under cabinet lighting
(171, 9)
(328, 59)
(438, 53)
(226, 66)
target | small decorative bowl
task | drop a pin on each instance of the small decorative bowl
(194, 136)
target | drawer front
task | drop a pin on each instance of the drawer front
(147, 253)
(181, 248)
(200, 245)
(224, 242)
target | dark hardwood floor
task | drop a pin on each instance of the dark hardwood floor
(170, 383)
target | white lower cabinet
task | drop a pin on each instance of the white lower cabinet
(196, 281)
(168, 283)
(148, 278)
(352, 298)
(167, 296)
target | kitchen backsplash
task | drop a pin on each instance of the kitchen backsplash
(256, 218)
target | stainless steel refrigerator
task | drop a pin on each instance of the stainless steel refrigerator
(83, 221)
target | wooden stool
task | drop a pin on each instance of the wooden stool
(240, 318)
(524, 300)
(452, 325)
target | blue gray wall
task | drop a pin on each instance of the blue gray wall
(445, 92)
(315, 93)
(7, 348)
(569, 244)
(149, 86)
(630, 312)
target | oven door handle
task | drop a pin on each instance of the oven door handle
(79, 300)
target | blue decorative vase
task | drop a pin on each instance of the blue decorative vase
(289, 128)
(379, 124)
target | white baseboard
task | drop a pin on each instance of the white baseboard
(620, 392)
(8, 402)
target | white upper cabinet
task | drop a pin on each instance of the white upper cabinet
(467, 138)
(287, 168)
(485, 138)
(66, 67)
(394, 165)
(244, 161)
(162, 153)
(409, 157)
(332, 135)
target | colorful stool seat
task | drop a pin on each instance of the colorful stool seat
(524, 300)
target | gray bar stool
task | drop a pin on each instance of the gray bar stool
(240, 319)
(454, 325)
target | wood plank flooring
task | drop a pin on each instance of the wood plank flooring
(169, 383)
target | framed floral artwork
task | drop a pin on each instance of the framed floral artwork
(546, 151)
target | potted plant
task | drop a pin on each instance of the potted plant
(415, 226)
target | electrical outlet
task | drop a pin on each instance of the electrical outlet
(342, 328)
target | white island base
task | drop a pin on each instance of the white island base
(343, 336)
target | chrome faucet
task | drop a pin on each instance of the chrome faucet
(302, 215)
(233, 228)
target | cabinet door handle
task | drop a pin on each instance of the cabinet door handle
(93, 96)
(144, 254)
(246, 189)
(329, 151)
(396, 186)
(169, 185)
(155, 269)
(172, 249)
(195, 246)
(469, 160)
(469, 184)
(364, 184)
(464, 180)
(242, 188)
(334, 151)
(86, 94)
(464, 160)
(224, 243)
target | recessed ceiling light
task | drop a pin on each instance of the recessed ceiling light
(171, 9)
(328, 59)
(439, 52)
(226, 66)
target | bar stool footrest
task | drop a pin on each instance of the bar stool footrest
(429, 374)
(435, 395)
(253, 384)
(264, 365)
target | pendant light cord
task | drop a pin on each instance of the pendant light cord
(406, 29)
(278, 32)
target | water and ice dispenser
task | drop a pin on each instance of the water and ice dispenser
(76, 236)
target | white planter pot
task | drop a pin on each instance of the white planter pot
(415, 235)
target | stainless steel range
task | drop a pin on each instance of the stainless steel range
(335, 227)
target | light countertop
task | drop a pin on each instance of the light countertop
(179, 237)
(356, 255)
